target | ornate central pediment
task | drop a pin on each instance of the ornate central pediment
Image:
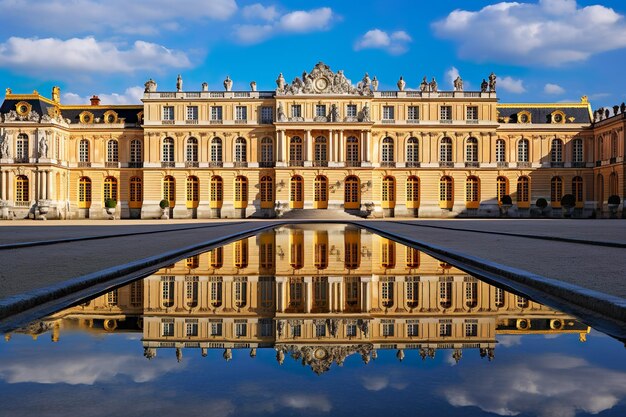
(321, 358)
(322, 80)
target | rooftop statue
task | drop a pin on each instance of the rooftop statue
(150, 86)
(433, 85)
(483, 86)
(280, 83)
(401, 84)
(322, 80)
(228, 83)
(252, 85)
(492, 82)
(375, 84)
(458, 84)
(424, 85)
(179, 83)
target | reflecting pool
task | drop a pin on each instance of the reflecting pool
(311, 320)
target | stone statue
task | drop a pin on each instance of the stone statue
(458, 84)
(5, 150)
(433, 85)
(366, 80)
(280, 113)
(205, 87)
(56, 94)
(365, 113)
(33, 116)
(615, 110)
(424, 85)
(492, 82)
(606, 113)
(375, 84)
(623, 107)
(483, 86)
(280, 82)
(279, 327)
(179, 83)
(401, 84)
(11, 116)
(253, 86)
(8, 91)
(228, 83)
(150, 86)
(334, 113)
(43, 146)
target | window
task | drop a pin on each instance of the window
(192, 112)
(295, 291)
(577, 190)
(388, 254)
(412, 151)
(135, 151)
(296, 330)
(112, 151)
(21, 190)
(523, 192)
(83, 151)
(446, 191)
(320, 330)
(498, 297)
(217, 257)
(577, 150)
(351, 330)
(321, 249)
(216, 150)
(352, 151)
(296, 191)
(136, 193)
(216, 113)
(352, 290)
(295, 151)
(216, 327)
(445, 150)
(522, 302)
(193, 191)
(471, 328)
(388, 113)
(241, 291)
(321, 153)
(320, 110)
(445, 113)
(136, 293)
(472, 192)
(320, 292)
(241, 254)
(191, 327)
(352, 246)
(266, 256)
(522, 150)
(168, 150)
(267, 115)
(84, 192)
(445, 293)
(500, 150)
(167, 291)
(168, 113)
(412, 289)
(556, 153)
(351, 110)
(413, 113)
(614, 145)
(296, 249)
(110, 188)
(215, 292)
(192, 262)
(556, 191)
(192, 150)
(267, 192)
(412, 191)
(241, 192)
(240, 150)
(22, 147)
(502, 188)
(472, 113)
(321, 189)
(471, 150)
(471, 293)
(601, 148)
(387, 154)
(296, 110)
(445, 328)
(169, 190)
(351, 192)
(389, 189)
(241, 113)
(167, 327)
(412, 328)
(266, 327)
(267, 151)
(388, 327)
(217, 189)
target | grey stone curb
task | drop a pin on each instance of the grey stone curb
(19, 303)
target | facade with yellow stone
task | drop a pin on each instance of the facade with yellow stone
(319, 142)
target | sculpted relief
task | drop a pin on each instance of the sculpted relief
(322, 80)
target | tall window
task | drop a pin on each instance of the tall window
(556, 153)
(446, 194)
(445, 113)
(352, 151)
(240, 150)
(351, 110)
(191, 294)
(412, 151)
(498, 296)
(216, 150)
(135, 151)
(296, 249)
(577, 190)
(22, 147)
(168, 113)
(387, 154)
(351, 192)
(577, 150)
(522, 150)
(191, 154)
(193, 191)
(471, 293)
(267, 115)
(388, 253)
(167, 291)
(321, 153)
(241, 113)
(352, 247)
(83, 150)
(192, 113)
(614, 145)
(471, 150)
(267, 151)
(472, 192)
(241, 254)
(169, 190)
(321, 249)
(267, 191)
(386, 291)
(216, 113)
(502, 188)
(556, 190)
(241, 192)
(168, 150)
(613, 183)
(136, 192)
(412, 191)
(217, 257)
(413, 113)
(295, 151)
(472, 113)
(217, 190)
(241, 291)
(215, 293)
(21, 190)
(445, 294)
(388, 113)
(412, 258)
(112, 151)
(523, 191)
(110, 188)
(500, 150)
(84, 192)
(321, 189)
(389, 190)
(601, 148)
(445, 150)
(296, 191)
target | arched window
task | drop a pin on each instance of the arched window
(216, 257)
(241, 192)
(215, 294)
(387, 253)
(613, 184)
(445, 294)
(21, 147)
(500, 151)
(471, 293)
(169, 190)
(321, 152)
(241, 289)
(191, 291)
(193, 192)
(412, 258)
(21, 191)
(136, 193)
(389, 192)
(295, 292)
(412, 192)
(556, 152)
(321, 249)
(352, 152)
(136, 151)
(352, 290)
(191, 151)
(217, 192)
(168, 285)
(83, 150)
(241, 254)
(522, 150)
(320, 294)
(600, 190)
(386, 291)
(352, 248)
(498, 297)
(577, 191)
(321, 192)
(296, 248)
(112, 151)
(216, 152)
(472, 192)
(110, 188)
(84, 192)
(445, 150)
(471, 150)
(296, 192)
(523, 192)
(577, 151)
(446, 192)
(601, 148)
(614, 145)
(168, 150)
(295, 152)
(267, 152)
(502, 188)
(387, 157)
(412, 152)
(267, 191)
(352, 197)
(411, 288)
(241, 152)
(556, 191)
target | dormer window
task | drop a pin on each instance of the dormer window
(558, 117)
(524, 117)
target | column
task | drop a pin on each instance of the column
(2, 196)
(280, 290)
(366, 300)
(331, 295)
(309, 148)
(44, 185)
(48, 184)
(284, 141)
(308, 294)
(342, 295)
(341, 146)
(331, 146)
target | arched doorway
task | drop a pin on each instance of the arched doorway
(296, 195)
(321, 192)
(352, 197)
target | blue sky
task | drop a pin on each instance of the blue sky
(541, 50)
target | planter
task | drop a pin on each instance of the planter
(43, 207)
(110, 212)
(165, 213)
(613, 210)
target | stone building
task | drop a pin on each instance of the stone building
(319, 142)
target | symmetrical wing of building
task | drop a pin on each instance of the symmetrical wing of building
(319, 142)
(318, 296)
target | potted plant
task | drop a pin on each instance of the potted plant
(541, 204)
(110, 205)
(568, 202)
(505, 204)
(165, 205)
(614, 202)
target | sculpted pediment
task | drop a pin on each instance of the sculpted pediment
(322, 80)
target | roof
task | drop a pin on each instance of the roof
(542, 113)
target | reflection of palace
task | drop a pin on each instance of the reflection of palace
(319, 295)
(319, 142)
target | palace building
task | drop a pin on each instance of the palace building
(319, 142)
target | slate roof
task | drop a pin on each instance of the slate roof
(543, 114)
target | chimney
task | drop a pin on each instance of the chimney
(95, 100)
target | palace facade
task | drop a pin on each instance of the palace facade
(319, 142)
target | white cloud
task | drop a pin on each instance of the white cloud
(550, 33)
(299, 21)
(381, 382)
(306, 401)
(509, 341)
(395, 43)
(512, 85)
(121, 16)
(553, 89)
(67, 57)
(131, 95)
(451, 75)
(546, 385)
(258, 11)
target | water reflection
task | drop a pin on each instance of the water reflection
(317, 296)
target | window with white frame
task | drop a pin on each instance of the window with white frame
(412, 150)
(577, 150)
(296, 110)
(192, 150)
(351, 110)
(471, 328)
(216, 113)
(241, 328)
(167, 327)
(216, 150)
(522, 150)
(413, 113)
(556, 153)
(388, 113)
(445, 113)
(112, 298)
(22, 147)
(387, 327)
(445, 150)
(191, 327)
(240, 150)
(471, 150)
(267, 115)
(351, 330)
(241, 113)
(167, 291)
(498, 297)
(445, 328)
(192, 112)
(500, 150)
(215, 327)
(83, 150)
(387, 152)
(320, 110)
(412, 328)
(135, 151)
(472, 113)
(168, 112)
(112, 151)
(168, 150)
